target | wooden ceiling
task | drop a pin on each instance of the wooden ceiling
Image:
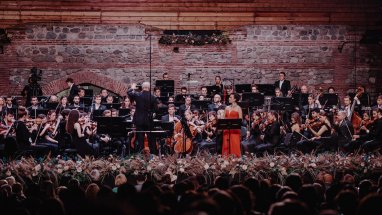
(192, 14)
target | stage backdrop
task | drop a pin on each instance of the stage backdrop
(317, 44)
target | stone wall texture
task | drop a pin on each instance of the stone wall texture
(112, 56)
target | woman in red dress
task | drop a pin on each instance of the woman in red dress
(232, 139)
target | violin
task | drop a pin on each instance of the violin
(315, 125)
(183, 145)
(365, 125)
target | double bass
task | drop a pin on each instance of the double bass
(184, 133)
(356, 119)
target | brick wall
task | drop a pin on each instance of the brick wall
(112, 56)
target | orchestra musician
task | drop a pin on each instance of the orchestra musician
(270, 136)
(180, 98)
(278, 92)
(62, 105)
(253, 133)
(126, 104)
(49, 130)
(170, 117)
(209, 133)
(293, 132)
(81, 92)
(76, 127)
(184, 134)
(186, 106)
(216, 104)
(218, 85)
(104, 94)
(76, 104)
(344, 130)
(254, 88)
(373, 139)
(204, 94)
(23, 135)
(347, 106)
(321, 131)
(2, 107)
(312, 104)
(165, 76)
(73, 89)
(9, 103)
(97, 104)
(379, 103)
(331, 90)
(34, 105)
(283, 84)
(304, 89)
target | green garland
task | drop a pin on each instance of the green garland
(195, 40)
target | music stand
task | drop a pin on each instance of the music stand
(89, 93)
(201, 105)
(97, 113)
(112, 105)
(51, 105)
(166, 87)
(267, 89)
(228, 124)
(124, 112)
(254, 99)
(115, 126)
(243, 88)
(163, 99)
(329, 99)
(35, 112)
(300, 99)
(86, 101)
(282, 104)
(161, 111)
(212, 90)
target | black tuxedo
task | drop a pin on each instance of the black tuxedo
(73, 92)
(285, 87)
(146, 105)
(345, 132)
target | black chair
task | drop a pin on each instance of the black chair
(67, 147)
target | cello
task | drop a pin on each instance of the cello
(355, 117)
(184, 133)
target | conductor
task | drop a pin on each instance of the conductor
(146, 104)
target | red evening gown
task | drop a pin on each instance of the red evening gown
(231, 147)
